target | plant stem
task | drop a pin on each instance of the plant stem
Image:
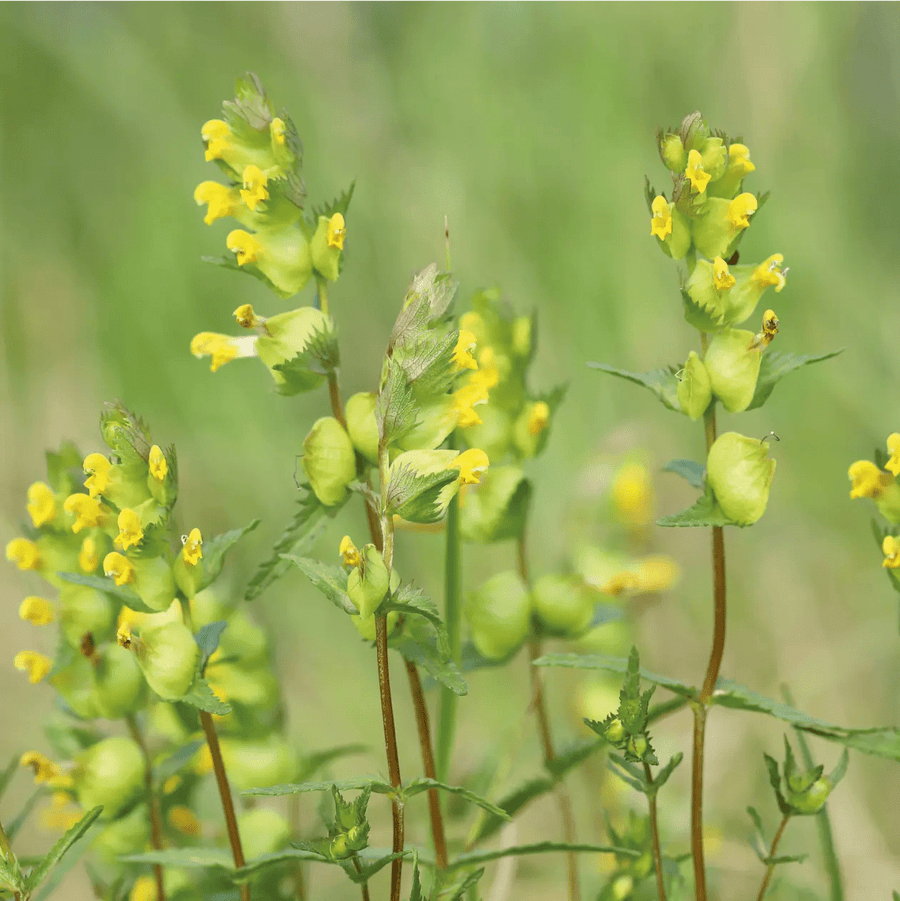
(654, 834)
(293, 805)
(156, 832)
(365, 885)
(771, 867)
(234, 838)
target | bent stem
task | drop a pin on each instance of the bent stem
(771, 867)
(156, 832)
(654, 833)
(234, 837)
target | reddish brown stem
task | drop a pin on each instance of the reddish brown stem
(654, 834)
(156, 832)
(771, 867)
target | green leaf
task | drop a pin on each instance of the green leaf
(338, 205)
(627, 772)
(207, 639)
(122, 593)
(203, 697)
(415, 893)
(660, 779)
(571, 757)
(321, 356)
(370, 869)
(266, 861)
(376, 785)
(214, 551)
(457, 892)
(417, 786)
(395, 409)
(477, 857)
(429, 295)
(775, 366)
(423, 651)
(785, 858)
(705, 512)
(7, 775)
(758, 838)
(11, 873)
(174, 762)
(428, 363)
(415, 496)
(661, 382)
(189, 858)
(693, 472)
(330, 580)
(56, 853)
(412, 602)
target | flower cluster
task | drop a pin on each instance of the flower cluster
(878, 481)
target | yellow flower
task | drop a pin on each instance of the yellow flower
(462, 353)
(246, 316)
(893, 446)
(62, 814)
(88, 557)
(215, 134)
(867, 479)
(658, 572)
(891, 549)
(464, 402)
(661, 219)
(277, 129)
(159, 468)
(143, 889)
(538, 418)
(336, 232)
(88, 511)
(254, 190)
(219, 200)
(36, 665)
(740, 210)
(130, 532)
(23, 553)
(620, 583)
(222, 348)
(46, 772)
(120, 569)
(349, 552)
(488, 375)
(204, 762)
(633, 494)
(699, 178)
(41, 504)
(37, 610)
(97, 467)
(472, 464)
(722, 278)
(739, 158)
(244, 246)
(191, 552)
(184, 820)
(769, 273)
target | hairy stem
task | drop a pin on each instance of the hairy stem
(234, 838)
(771, 867)
(156, 831)
(654, 834)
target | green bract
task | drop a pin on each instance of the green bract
(733, 367)
(329, 460)
(367, 583)
(362, 425)
(84, 610)
(167, 654)
(287, 335)
(499, 614)
(694, 391)
(739, 472)
(119, 686)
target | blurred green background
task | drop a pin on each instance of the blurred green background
(531, 127)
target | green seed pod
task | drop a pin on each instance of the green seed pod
(262, 831)
(340, 847)
(562, 605)
(499, 615)
(83, 610)
(289, 334)
(259, 764)
(614, 731)
(366, 625)
(813, 798)
(110, 773)
(167, 654)
(119, 686)
(362, 425)
(329, 460)
(733, 368)
(694, 390)
(154, 581)
(739, 471)
(367, 583)
(637, 745)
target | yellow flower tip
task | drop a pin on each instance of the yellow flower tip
(254, 191)
(632, 493)
(123, 635)
(62, 814)
(769, 273)
(891, 550)
(488, 374)
(88, 556)
(215, 134)
(41, 504)
(472, 465)
(695, 172)
(658, 572)
(244, 246)
(740, 210)
(130, 532)
(893, 446)
(462, 353)
(722, 278)
(143, 889)
(159, 468)
(769, 330)
(277, 129)
(120, 569)
(88, 511)
(222, 348)
(349, 552)
(45, 770)
(661, 218)
(620, 584)
(23, 553)
(246, 316)
(184, 820)
(466, 399)
(336, 232)
(36, 665)
(191, 551)
(219, 200)
(97, 468)
(538, 418)
(203, 764)
(37, 611)
(739, 157)
(867, 480)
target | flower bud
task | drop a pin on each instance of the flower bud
(812, 798)
(614, 731)
(362, 425)
(694, 390)
(739, 472)
(367, 583)
(110, 773)
(329, 460)
(119, 686)
(562, 605)
(672, 152)
(84, 609)
(499, 615)
(154, 581)
(289, 334)
(167, 653)
(733, 368)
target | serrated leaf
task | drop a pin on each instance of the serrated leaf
(429, 295)
(204, 698)
(339, 205)
(250, 104)
(265, 862)
(428, 363)
(417, 786)
(56, 853)
(422, 650)
(705, 512)
(661, 382)
(476, 857)
(214, 551)
(416, 497)
(320, 356)
(621, 768)
(11, 874)
(207, 639)
(774, 366)
(395, 408)
(415, 893)
(413, 602)
(378, 786)
(330, 580)
(693, 472)
(121, 593)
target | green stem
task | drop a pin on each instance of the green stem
(365, 885)
(654, 833)
(771, 867)
(322, 289)
(293, 805)
(156, 831)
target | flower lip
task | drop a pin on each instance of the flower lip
(661, 218)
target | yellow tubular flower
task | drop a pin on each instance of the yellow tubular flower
(891, 549)
(41, 504)
(657, 573)
(462, 353)
(740, 210)
(695, 173)
(538, 418)
(88, 557)
(464, 402)
(36, 665)
(45, 770)
(769, 273)
(739, 157)
(97, 467)
(349, 552)
(661, 218)
(62, 815)
(184, 820)
(867, 479)
(277, 129)
(336, 232)
(191, 552)
(37, 611)
(159, 468)
(893, 446)
(130, 532)
(23, 553)
(215, 134)
(472, 464)
(222, 348)
(488, 375)
(722, 278)
(254, 191)
(89, 513)
(120, 569)
(633, 494)
(219, 200)
(244, 246)
(246, 316)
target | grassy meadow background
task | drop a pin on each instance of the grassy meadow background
(531, 127)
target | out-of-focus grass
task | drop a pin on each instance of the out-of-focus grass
(531, 127)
